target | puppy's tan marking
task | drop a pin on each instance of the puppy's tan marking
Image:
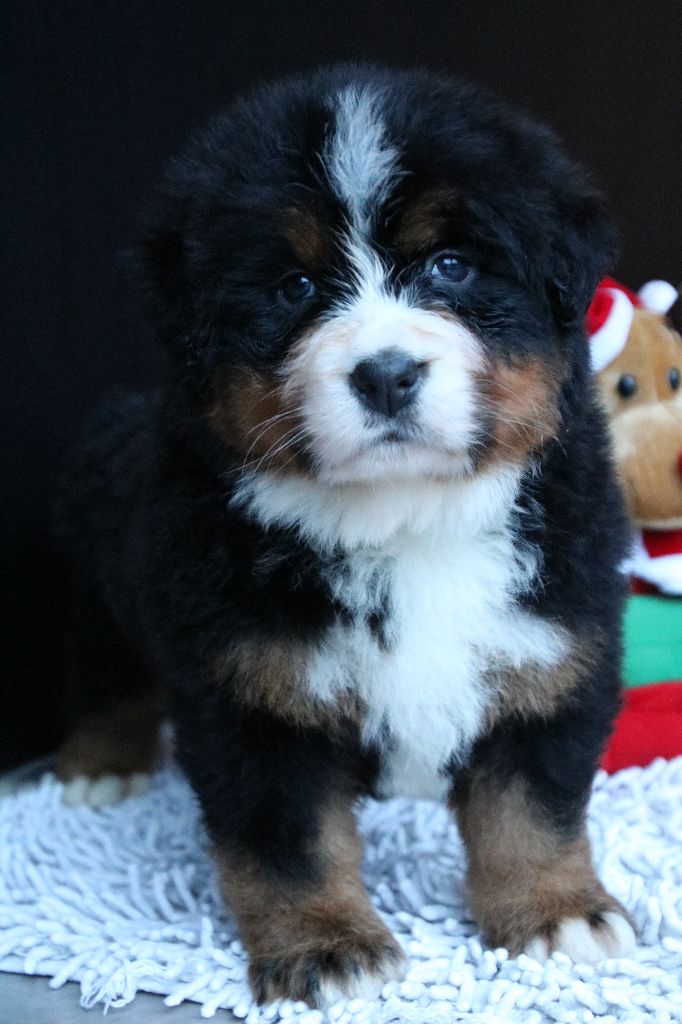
(120, 742)
(525, 879)
(272, 676)
(308, 237)
(251, 416)
(423, 226)
(522, 400)
(538, 691)
(314, 940)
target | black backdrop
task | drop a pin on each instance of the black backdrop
(100, 92)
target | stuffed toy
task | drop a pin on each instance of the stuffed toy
(636, 353)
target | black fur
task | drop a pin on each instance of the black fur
(145, 509)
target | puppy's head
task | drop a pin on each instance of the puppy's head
(368, 275)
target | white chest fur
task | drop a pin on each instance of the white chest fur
(448, 576)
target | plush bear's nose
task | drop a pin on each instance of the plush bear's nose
(387, 382)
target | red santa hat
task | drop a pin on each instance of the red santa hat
(609, 317)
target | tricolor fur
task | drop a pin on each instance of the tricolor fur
(365, 540)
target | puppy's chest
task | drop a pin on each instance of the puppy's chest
(424, 626)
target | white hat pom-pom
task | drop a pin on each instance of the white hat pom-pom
(657, 296)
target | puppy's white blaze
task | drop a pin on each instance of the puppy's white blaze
(344, 441)
(368, 273)
(362, 165)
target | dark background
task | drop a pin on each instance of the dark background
(99, 93)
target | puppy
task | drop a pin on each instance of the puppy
(365, 539)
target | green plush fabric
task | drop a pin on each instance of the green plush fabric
(653, 640)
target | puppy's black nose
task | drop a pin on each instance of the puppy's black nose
(387, 382)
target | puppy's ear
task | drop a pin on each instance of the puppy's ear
(583, 248)
(162, 260)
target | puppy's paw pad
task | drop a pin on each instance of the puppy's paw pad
(325, 974)
(611, 935)
(105, 790)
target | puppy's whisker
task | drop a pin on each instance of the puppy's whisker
(248, 463)
(265, 429)
(275, 419)
(280, 469)
(281, 446)
(279, 451)
(283, 439)
(293, 440)
(534, 416)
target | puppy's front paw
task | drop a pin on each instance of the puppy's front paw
(346, 965)
(104, 790)
(586, 941)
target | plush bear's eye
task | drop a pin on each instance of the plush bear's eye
(674, 378)
(296, 288)
(626, 386)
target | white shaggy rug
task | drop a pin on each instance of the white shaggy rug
(124, 899)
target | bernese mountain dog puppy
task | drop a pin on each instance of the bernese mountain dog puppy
(366, 538)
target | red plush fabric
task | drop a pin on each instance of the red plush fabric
(662, 542)
(649, 726)
(642, 588)
(599, 311)
(610, 282)
(602, 303)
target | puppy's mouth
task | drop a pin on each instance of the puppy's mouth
(399, 454)
(395, 437)
(408, 438)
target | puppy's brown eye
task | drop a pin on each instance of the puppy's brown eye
(674, 378)
(626, 386)
(449, 267)
(297, 288)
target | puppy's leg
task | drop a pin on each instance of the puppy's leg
(316, 938)
(116, 713)
(278, 805)
(531, 883)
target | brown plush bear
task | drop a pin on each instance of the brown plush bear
(636, 351)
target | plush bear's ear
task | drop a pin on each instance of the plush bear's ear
(582, 251)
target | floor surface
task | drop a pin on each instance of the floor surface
(29, 1000)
